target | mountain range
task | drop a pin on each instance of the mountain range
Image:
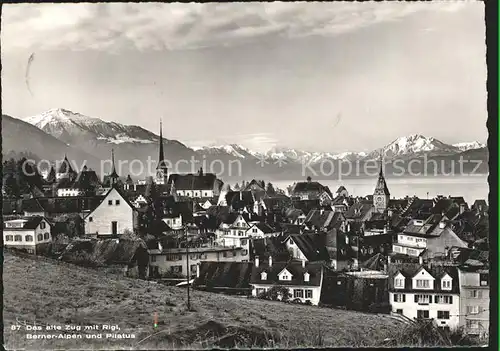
(56, 132)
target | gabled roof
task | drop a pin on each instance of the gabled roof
(205, 181)
(301, 187)
(295, 268)
(271, 246)
(29, 222)
(358, 210)
(254, 185)
(324, 220)
(376, 262)
(306, 205)
(65, 166)
(315, 246)
(125, 198)
(239, 199)
(264, 227)
(410, 270)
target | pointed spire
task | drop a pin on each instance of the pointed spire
(161, 156)
(113, 172)
(381, 173)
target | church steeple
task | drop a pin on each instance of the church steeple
(161, 169)
(381, 194)
(161, 156)
(113, 172)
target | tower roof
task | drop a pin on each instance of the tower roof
(113, 172)
(161, 156)
(381, 187)
(65, 166)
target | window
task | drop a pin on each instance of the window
(46, 236)
(422, 314)
(254, 230)
(244, 252)
(443, 314)
(117, 202)
(399, 298)
(206, 194)
(153, 258)
(399, 310)
(240, 233)
(224, 254)
(28, 238)
(472, 324)
(411, 252)
(423, 283)
(443, 299)
(476, 294)
(263, 276)
(42, 225)
(40, 237)
(472, 309)
(397, 249)
(399, 283)
(423, 298)
(193, 268)
(243, 241)
(176, 269)
(110, 202)
(484, 279)
(446, 284)
(309, 294)
(193, 256)
(90, 219)
(298, 293)
(9, 238)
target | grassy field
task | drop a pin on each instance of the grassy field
(42, 293)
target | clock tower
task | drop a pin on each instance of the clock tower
(381, 194)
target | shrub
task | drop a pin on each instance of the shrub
(277, 292)
(380, 307)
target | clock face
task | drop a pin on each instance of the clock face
(378, 199)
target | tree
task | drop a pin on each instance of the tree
(10, 186)
(270, 189)
(236, 187)
(277, 292)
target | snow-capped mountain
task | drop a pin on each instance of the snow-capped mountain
(96, 137)
(469, 145)
(69, 126)
(412, 145)
(235, 150)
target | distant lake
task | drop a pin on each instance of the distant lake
(470, 187)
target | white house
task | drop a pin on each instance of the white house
(433, 236)
(195, 185)
(174, 221)
(422, 292)
(140, 201)
(113, 216)
(474, 300)
(163, 261)
(27, 233)
(260, 230)
(303, 279)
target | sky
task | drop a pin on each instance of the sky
(314, 76)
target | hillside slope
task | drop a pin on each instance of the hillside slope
(48, 293)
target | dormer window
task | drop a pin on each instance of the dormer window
(285, 275)
(446, 282)
(399, 282)
(306, 276)
(423, 283)
(263, 276)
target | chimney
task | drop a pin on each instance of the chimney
(303, 263)
(198, 270)
(420, 260)
(270, 261)
(256, 261)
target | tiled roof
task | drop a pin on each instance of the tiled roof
(265, 228)
(65, 167)
(302, 187)
(410, 270)
(306, 205)
(314, 269)
(239, 199)
(376, 262)
(314, 245)
(358, 210)
(30, 222)
(225, 274)
(272, 246)
(205, 181)
(324, 220)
